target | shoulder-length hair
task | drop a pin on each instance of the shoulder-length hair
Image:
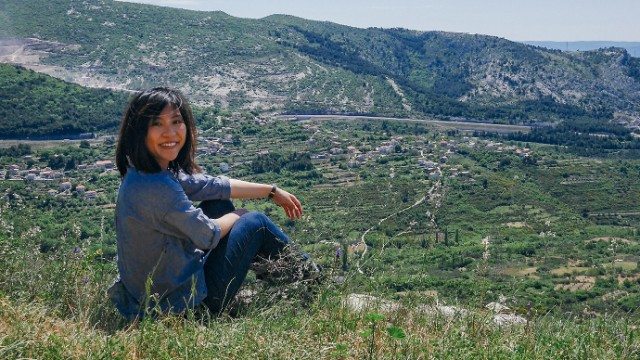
(143, 108)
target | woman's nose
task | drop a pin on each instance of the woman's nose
(168, 130)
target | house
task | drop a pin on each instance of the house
(14, 169)
(228, 139)
(430, 165)
(80, 189)
(435, 175)
(46, 174)
(104, 164)
(90, 195)
(65, 186)
(385, 149)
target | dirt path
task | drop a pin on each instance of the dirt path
(431, 195)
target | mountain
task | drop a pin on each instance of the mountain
(292, 65)
(632, 47)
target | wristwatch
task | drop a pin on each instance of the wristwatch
(273, 191)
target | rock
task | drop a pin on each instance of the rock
(508, 319)
(360, 302)
(444, 310)
(497, 307)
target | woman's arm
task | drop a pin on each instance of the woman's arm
(248, 190)
(226, 221)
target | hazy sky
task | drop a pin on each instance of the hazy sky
(557, 20)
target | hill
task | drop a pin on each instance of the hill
(34, 105)
(291, 65)
(633, 48)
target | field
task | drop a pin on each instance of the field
(429, 216)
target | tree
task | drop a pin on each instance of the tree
(424, 243)
(446, 237)
(70, 164)
(56, 162)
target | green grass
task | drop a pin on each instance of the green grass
(53, 305)
(57, 256)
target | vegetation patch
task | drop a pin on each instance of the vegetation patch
(568, 270)
(517, 225)
(579, 283)
(610, 239)
(529, 272)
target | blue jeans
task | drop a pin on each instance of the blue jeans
(253, 235)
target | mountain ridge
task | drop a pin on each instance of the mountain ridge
(286, 64)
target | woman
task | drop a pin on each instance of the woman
(171, 255)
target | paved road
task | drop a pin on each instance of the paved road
(460, 125)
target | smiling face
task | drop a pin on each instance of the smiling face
(166, 136)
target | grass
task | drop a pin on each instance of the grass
(326, 331)
(53, 306)
(56, 261)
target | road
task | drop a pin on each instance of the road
(460, 125)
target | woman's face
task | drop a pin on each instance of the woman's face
(166, 136)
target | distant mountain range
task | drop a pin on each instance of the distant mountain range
(284, 64)
(633, 48)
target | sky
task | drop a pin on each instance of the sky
(518, 20)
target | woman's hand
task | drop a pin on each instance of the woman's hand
(249, 190)
(291, 205)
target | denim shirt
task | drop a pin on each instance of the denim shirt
(161, 240)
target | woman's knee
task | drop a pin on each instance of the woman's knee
(254, 220)
(216, 208)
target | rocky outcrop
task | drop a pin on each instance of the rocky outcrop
(498, 312)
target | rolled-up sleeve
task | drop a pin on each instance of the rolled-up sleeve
(199, 187)
(186, 221)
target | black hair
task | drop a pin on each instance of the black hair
(144, 107)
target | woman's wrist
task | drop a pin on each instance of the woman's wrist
(272, 192)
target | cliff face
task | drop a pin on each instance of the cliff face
(287, 64)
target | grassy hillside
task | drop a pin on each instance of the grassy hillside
(287, 64)
(446, 218)
(36, 105)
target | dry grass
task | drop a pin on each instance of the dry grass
(568, 270)
(529, 272)
(610, 239)
(579, 283)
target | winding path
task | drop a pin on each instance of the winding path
(429, 195)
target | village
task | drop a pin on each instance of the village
(59, 182)
(431, 156)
